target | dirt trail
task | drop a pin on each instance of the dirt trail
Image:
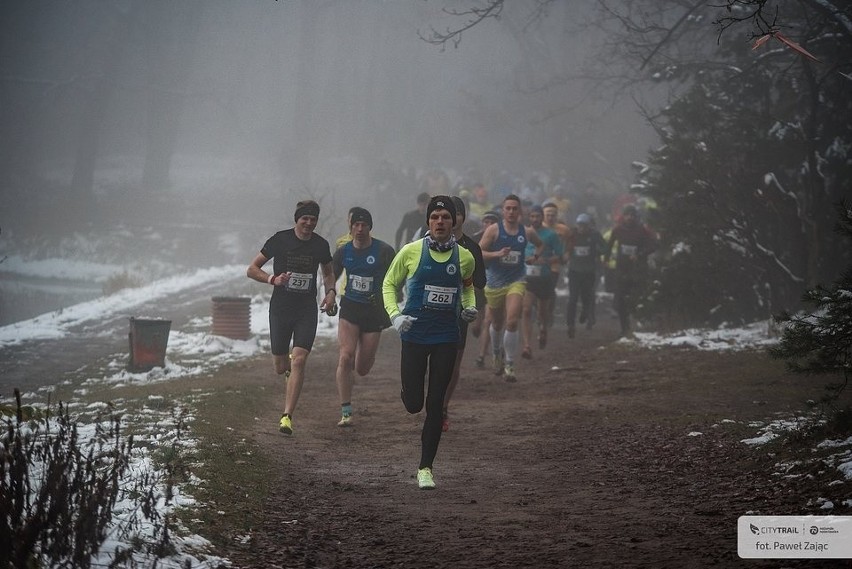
(588, 465)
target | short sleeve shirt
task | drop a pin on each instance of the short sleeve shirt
(301, 259)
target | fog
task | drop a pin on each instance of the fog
(283, 99)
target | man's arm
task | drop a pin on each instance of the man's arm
(532, 237)
(487, 241)
(608, 248)
(328, 282)
(396, 275)
(558, 250)
(337, 263)
(468, 265)
(255, 269)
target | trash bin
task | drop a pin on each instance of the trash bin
(232, 317)
(148, 341)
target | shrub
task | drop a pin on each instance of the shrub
(58, 492)
(120, 281)
(820, 342)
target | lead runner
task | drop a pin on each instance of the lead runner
(439, 284)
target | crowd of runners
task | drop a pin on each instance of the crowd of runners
(466, 260)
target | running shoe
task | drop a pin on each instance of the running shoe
(509, 373)
(497, 360)
(345, 421)
(285, 425)
(480, 362)
(527, 353)
(425, 480)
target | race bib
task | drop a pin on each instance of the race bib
(361, 284)
(582, 251)
(299, 282)
(441, 297)
(629, 250)
(534, 270)
(512, 258)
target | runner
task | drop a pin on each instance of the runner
(411, 222)
(346, 237)
(482, 325)
(439, 278)
(551, 221)
(478, 285)
(364, 260)
(503, 248)
(587, 247)
(296, 254)
(541, 282)
(635, 243)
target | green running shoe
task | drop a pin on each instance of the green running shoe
(424, 479)
(285, 425)
(345, 421)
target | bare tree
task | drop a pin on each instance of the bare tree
(106, 61)
(170, 32)
(471, 17)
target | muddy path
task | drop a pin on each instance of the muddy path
(601, 455)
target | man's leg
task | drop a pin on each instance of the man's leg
(451, 388)
(588, 298)
(498, 319)
(280, 333)
(441, 361)
(413, 362)
(573, 297)
(484, 338)
(514, 308)
(281, 364)
(365, 355)
(297, 378)
(529, 301)
(347, 339)
(622, 293)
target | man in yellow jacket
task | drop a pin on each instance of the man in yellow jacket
(438, 275)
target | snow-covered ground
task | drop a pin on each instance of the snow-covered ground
(193, 350)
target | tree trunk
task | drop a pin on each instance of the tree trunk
(171, 33)
(106, 65)
(296, 153)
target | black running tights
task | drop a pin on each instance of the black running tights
(416, 359)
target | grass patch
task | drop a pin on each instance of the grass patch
(235, 474)
(232, 477)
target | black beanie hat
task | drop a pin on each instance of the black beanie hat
(360, 214)
(441, 202)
